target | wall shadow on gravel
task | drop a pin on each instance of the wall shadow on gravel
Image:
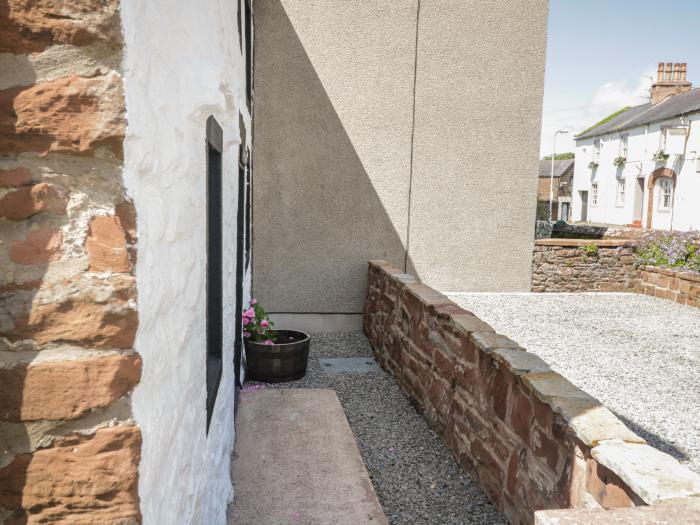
(654, 439)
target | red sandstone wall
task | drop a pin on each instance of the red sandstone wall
(521, 430)
(571, 265)
(679, 286)
(69, 449)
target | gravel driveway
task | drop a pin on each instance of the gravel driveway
(639, 355)
(415, 477)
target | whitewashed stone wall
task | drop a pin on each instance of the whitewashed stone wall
(182, 64)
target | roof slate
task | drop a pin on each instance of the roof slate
(560, 167)
(672, 107)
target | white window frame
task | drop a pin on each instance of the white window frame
(665, 192)
(594, 194)
(597, 144)
(620, 192)
(624, 145)
(662, 138)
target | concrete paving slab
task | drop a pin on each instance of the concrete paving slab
(349, 365)
(296, 461)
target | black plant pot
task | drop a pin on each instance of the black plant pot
(285, 360)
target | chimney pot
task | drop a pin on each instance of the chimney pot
(671, 80)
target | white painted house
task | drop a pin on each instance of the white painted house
(642, 166)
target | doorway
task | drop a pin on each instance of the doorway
(584, 205)
(638, 201)
(565, 211)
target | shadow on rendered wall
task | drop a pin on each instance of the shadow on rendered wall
(308, 176)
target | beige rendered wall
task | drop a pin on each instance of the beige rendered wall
(337, 152)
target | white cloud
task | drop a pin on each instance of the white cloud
(607, 99)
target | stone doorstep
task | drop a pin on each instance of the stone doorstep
(297, 443)
(651, 474)
(586, 416)
(683, 512)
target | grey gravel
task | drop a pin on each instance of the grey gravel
(414, 475)
(638, 355)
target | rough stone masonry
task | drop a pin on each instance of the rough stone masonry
(528, 436)
(69, 450)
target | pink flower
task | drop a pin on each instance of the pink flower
(249, 313)
(245, 321)
(247, 334)
(268, 342)
(253, 301)
(264, 323)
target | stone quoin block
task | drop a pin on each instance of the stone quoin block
(106, 245)
(27, 27)
(41, 246)
(80, 479)
(68, 115)
(65, 389)
(15, 177)
(29, 200)
(97, 313)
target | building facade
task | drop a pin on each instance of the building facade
(559, 184)
(126, 217)
(124, 133)
(379, 133)
(642, 167)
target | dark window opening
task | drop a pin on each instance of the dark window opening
(248, 209)
(214, 285)
(238, 13)
(240, 239)
(249, 52)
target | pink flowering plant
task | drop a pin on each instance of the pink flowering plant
(257, 326)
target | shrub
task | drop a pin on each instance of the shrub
(590, 250)
(670, 250)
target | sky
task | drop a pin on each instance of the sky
(601, 53)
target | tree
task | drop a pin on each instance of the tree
(561, 156)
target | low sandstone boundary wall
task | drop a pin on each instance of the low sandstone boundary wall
(674, 285)
(529, 437)
(583, 265)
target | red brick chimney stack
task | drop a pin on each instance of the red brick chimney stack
(670, 80)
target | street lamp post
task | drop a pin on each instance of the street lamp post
(551, 176)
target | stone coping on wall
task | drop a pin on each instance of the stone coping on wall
(527, 435)
(681, 274)
(601, 243)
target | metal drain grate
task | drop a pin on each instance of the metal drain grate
(349, 365)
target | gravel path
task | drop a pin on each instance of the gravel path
(415, 477)
(638, 355)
